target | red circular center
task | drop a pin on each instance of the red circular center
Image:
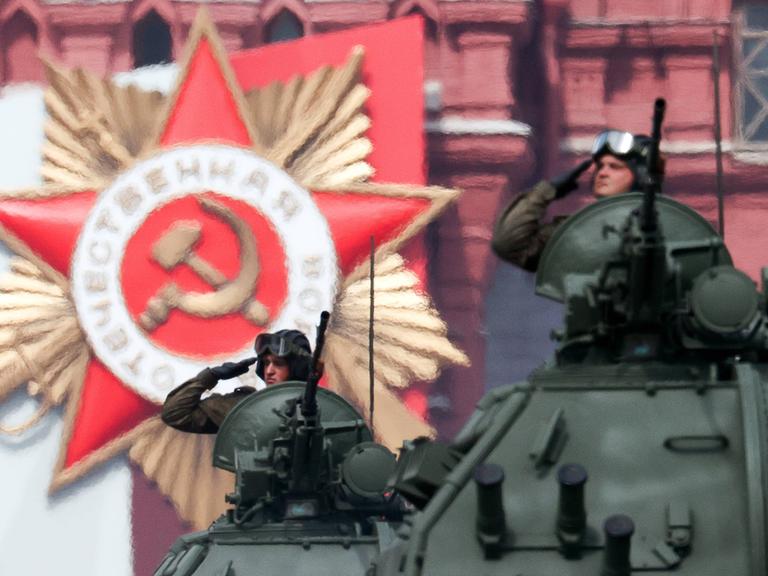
(218, 247)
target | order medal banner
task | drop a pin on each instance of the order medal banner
(171, 230)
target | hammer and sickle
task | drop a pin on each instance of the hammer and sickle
(176, 246)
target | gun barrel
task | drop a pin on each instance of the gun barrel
(654, 177)
(309, 403)
(659, 107)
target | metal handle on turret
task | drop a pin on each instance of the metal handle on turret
(309, 404)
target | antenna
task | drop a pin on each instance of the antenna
(370, 341)
(718, 143)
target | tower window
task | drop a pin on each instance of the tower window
(284, 26)
(18, 42)
(152, 43)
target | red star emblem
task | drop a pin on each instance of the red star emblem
(208, 106)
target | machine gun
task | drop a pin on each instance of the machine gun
(306, 455)
(638, 272)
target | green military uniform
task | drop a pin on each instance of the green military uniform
(186, 411)
(519, 235)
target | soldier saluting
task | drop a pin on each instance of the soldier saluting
(520, 234)
(280, 356)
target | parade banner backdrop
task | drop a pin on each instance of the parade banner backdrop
(166, 231)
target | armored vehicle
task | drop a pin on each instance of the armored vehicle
(641, 448)
(310, 489)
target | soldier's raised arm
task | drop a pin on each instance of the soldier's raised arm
(519, 235)
(186, 410)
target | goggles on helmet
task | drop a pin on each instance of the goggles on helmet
(277, 345)
(616, 142)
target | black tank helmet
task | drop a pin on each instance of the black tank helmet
(630, 148)
(289, 344)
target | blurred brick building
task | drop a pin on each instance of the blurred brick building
(514, 90)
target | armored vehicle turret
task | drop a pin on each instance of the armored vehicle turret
(642, 447)
(310, 489)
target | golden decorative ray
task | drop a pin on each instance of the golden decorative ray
(314, 127)
(180, 464)
(41, 344)
(410, 344)
(95, 129)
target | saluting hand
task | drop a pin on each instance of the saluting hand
(569, 181)
(231, 369)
